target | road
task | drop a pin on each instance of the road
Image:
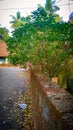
(12, 89)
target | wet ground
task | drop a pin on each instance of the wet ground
(13, 92)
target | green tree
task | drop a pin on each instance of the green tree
(50, 6)
(70, 45)
(43, 40)
(4, 33)
(17, 20)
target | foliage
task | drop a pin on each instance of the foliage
(17, 21)
(4, 33)
(43, 39)
(65, 78)
(51, 7)
(71, 39)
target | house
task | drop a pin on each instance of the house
(3, 53)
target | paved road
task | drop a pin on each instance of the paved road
(12, 88)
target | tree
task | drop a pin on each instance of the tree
(43, 40)
(4, 33)
(17, 20)
(50, 6)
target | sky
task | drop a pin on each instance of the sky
(66, 8)
(10, 7)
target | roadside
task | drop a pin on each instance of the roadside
(14, 91)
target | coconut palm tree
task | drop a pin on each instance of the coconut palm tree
(17, 20)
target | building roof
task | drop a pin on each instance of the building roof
(3, 49)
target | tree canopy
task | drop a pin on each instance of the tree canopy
(41, 38)
(4, 33)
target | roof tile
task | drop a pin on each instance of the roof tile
(3, 49)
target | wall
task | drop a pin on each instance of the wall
(52, 105)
